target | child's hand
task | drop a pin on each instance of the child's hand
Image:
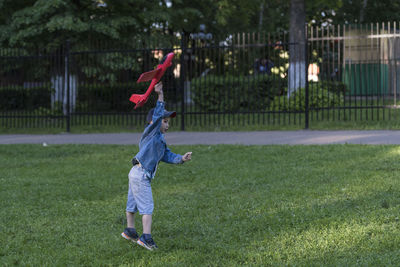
(187, 157)
(158, 88)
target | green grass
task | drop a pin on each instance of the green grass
(334, 205)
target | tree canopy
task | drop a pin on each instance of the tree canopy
(48, 23)
(37, 22)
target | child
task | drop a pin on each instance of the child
(152, 149)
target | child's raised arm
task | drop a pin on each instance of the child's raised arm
(158, 89)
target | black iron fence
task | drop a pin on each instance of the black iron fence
(363, 62)
(235, 80)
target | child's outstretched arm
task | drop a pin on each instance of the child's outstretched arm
(159, 90)
(170, 157)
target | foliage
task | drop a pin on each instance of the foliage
(105, 98)
(43, 23)
(112, 98)
(90, 98)
(321, 95)
(261, 92)
(43, 27)
(332, 86)
(234, 94)
(327, 12)
(333, 205)
(20, 98)
(49, 23)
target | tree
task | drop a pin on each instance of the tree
(327, 12)
(219, 17)
(275, 15)
(297, 39)
(44, 23)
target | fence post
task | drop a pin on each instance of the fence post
(68, 115)
(307, 114)
(182, 80)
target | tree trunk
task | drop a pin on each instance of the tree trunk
(362, 11)
(297, 38)
(261, 17)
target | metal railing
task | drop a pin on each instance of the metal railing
(363, 60)
(235, 80)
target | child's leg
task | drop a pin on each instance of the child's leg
(141, 192)
(146, 240)
(146, 220)
(130, 219)
(131, 207)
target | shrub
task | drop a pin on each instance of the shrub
(115, 97)
(231, 94)
(332, 86)
(319, 97)
(104, 97)
(20, 98)
(89, 98)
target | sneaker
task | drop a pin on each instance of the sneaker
(130, 234)
(148, 243)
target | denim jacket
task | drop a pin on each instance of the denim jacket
(152, 145)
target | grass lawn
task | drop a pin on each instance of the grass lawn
(334, 205)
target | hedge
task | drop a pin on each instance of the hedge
(210, 94)
(232, 94)
(261, 92)
(90, 98)
(319, 97)
(20, 98)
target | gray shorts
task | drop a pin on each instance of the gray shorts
(140, 197)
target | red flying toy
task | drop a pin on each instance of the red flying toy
(154, 76)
